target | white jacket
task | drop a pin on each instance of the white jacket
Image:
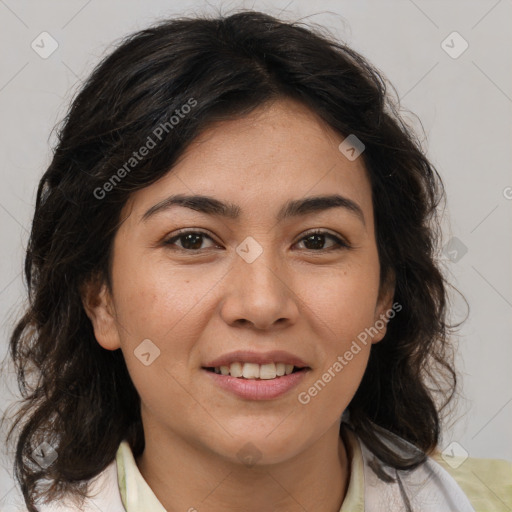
(427, 488)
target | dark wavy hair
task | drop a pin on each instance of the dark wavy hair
(78, 396)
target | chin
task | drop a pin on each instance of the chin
(262, 447)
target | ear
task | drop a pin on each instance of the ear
(384, 309)
(98, 305)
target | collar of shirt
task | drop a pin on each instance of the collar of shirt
(137, 495)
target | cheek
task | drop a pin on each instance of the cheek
(155, 300)
(166, 306)
(343, 309)
(160, 313)
(345, 348)
(343, 301)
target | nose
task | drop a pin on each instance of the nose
(260, 294)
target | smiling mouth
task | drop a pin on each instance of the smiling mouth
(250, 371)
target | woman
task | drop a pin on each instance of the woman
(234, 298)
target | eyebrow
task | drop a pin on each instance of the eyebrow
(294, 208)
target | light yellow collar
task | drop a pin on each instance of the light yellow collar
(135, 491)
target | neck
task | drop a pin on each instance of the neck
(188, 477)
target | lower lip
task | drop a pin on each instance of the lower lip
(258, 389)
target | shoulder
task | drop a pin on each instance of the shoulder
(486, 482)
(428, 487)
(103, 491)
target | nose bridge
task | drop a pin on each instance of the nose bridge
(259, 265)
(261, 293)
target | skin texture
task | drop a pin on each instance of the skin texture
(197, 306)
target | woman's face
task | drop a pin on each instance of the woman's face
(252, 280)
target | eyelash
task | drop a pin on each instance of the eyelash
(340, 244)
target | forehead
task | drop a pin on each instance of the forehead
(280, 151)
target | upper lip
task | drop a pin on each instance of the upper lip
(247, 356)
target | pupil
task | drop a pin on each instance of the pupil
(191, 236)
(319, 241)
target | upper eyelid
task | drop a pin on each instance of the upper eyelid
(186, 231)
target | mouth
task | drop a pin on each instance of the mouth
(251, 375)
(252, 371)
(251, 381)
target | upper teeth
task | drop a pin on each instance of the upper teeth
(256, 371)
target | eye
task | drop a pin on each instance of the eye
(316, 240)
(190, 240)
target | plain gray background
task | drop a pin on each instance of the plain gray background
(464, 103)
